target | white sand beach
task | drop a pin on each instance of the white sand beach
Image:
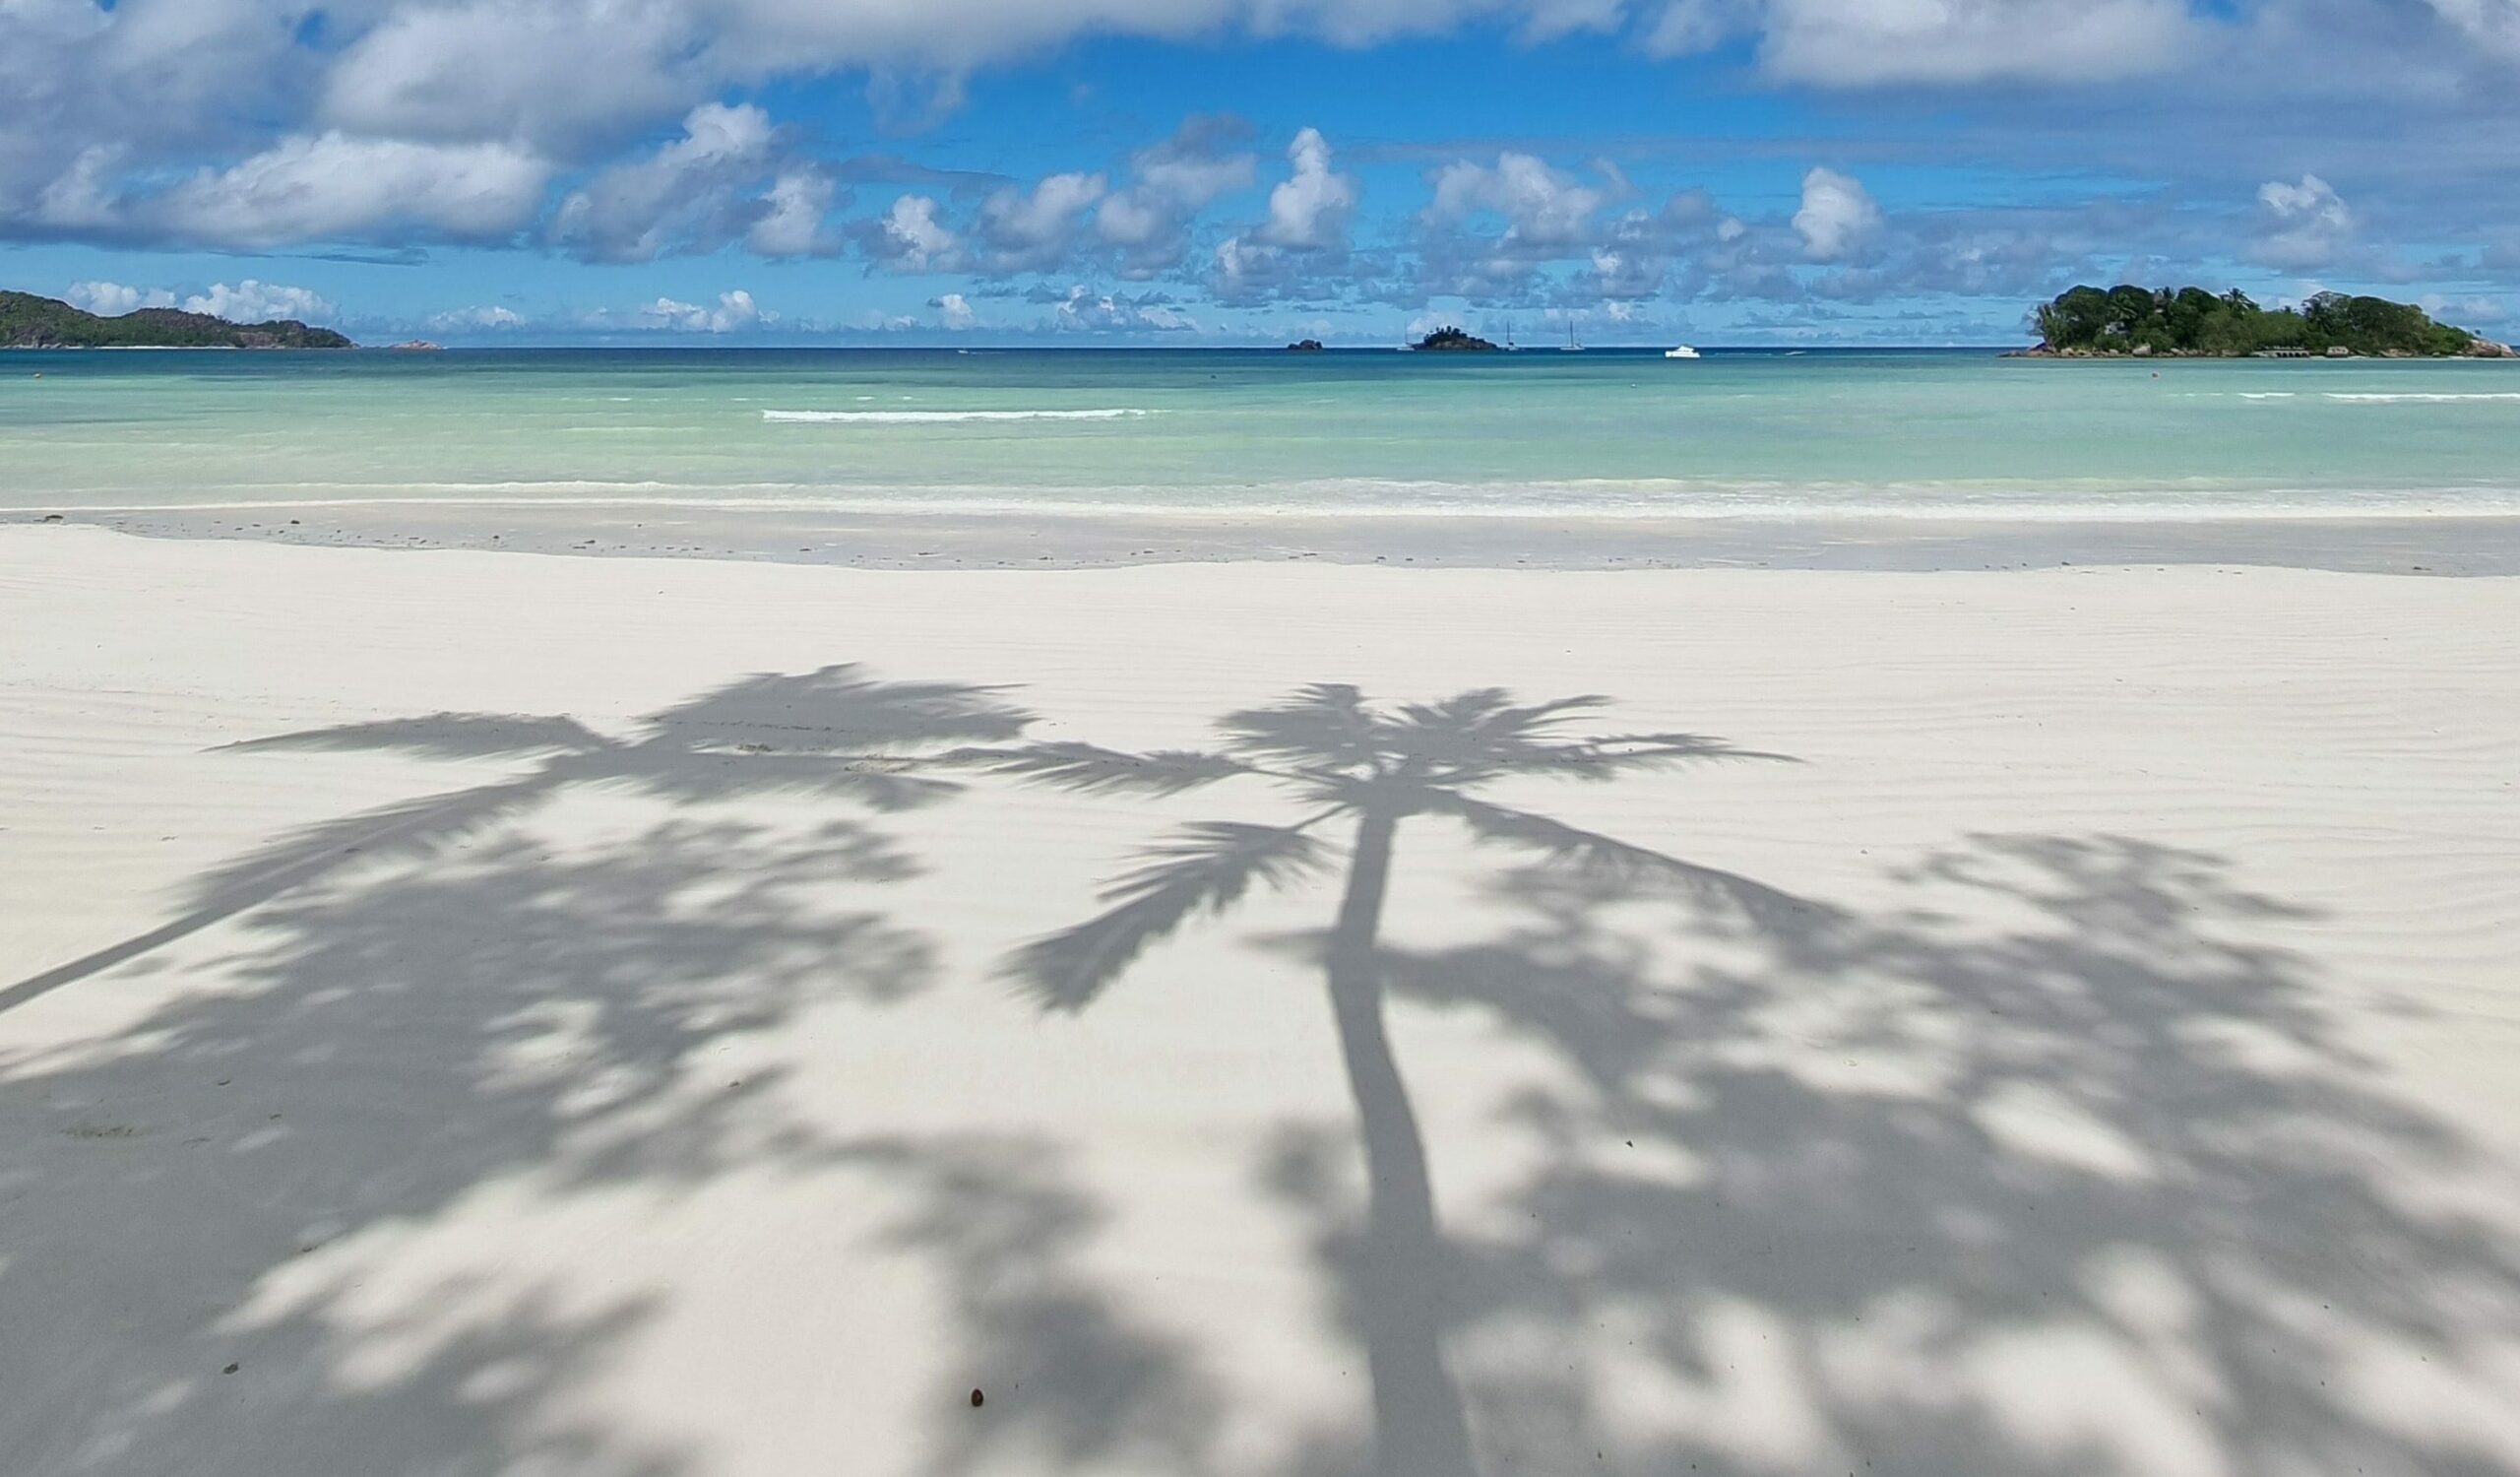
(468, 1012)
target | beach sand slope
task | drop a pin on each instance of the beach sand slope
(468, 1012)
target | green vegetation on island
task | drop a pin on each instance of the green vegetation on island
(30, 322)
(1450, 340)
(2191, 322)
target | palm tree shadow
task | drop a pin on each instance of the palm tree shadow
(446, 1019)
(1068, 1380)
(380, 1048)
(1347, 759)
(837, 733)
(1930, 1176)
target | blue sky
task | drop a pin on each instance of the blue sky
(1186, 172)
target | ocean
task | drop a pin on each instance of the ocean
(1606, 433)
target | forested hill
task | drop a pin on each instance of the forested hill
(30, 322)
(2128, 320)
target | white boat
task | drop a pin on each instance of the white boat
(1570, 346)
(1685, 352)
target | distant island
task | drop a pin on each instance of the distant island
(2194, 323)
(30, 322)
(1453, 341)
(1304, 346)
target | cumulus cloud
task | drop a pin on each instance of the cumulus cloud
(1874, 42)
(1305, 232)
(699, 192)
(331, 187)
(1548, 214)
(1083, 310)
(556, 72)
(251, 301)
(1031, 229)
(1170, 183)
(910, 238)
(457, 320)
(112, 299)
(246, 301)
(2471, 312)
(792, 216)
(2496, 24)
(954, 312)
(1837, 217)
(1245, 272)
(1633, 257)
(735, 312)
(2301, 226)
(87, 196)
(1544, 206)
(208, 123)
(1309, 210)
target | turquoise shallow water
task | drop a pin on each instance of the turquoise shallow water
(1603, 433)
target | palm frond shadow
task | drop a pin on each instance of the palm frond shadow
(2068, 1112)
(1073, 1380)
(1345, 759)
(497, 1014)
(501, 1015)
(837, 733)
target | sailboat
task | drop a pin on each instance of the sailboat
(1570, 346)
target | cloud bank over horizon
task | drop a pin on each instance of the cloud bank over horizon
(1231, 168)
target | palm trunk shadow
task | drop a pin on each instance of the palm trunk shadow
(834, 731)
(294, 860)
(1346, 757)
(1419, 1427)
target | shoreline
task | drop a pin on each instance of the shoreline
(2378, 542)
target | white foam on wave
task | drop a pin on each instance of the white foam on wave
(1349, 500)
(2419, 397)
(941, 417)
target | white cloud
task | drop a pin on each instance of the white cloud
(1544, 206)
(554, 72)
(911, 238)
(491, 317)
(735, 312)
(1548, 217)
(1130, 219)
(954, 311)
(792, 223)
(251, 301)
(1246, 271)
(685, 195)
(332, 187)
(84, 196)
(1086, 311)
(1309, 210)
(2467, 312)
(1029, 229)
(111, 299)
(1170, 183)
(205, 123)
(1874, 42)
(1838, 216)
(2494, 23)
(2302, 227)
